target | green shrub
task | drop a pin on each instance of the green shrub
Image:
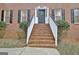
(2, 25)
(63, 25)
(24, 25)
(2, 29)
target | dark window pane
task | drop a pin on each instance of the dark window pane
(2, 15)
(19, 16)
(72, 15)
(11, 15)
(53, 14)
(63, 14)
(28, 15)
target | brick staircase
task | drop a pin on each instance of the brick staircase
(41, 36)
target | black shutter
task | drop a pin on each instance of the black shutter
(72, 15)
(53, 14)
(11, 16)
(19, 16)
(2, 15)
(28, 15)
(63, 14)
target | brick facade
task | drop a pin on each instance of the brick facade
(66, 6)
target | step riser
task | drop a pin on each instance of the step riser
(40, 42)
(41, 39)
(41, 36)
(41, 33)
(44, 46)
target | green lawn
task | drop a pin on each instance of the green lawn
(11, 43)
(68, 48)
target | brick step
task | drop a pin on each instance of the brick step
(41, 34)
(41, 30)
(41, 37)
(41, 41)
(41, 27)
(42, 45)
(46, 37)
(41, 24)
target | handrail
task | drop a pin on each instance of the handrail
(29, 30)
(54, 29)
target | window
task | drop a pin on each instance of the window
(58, 14)
(76, 16)
(6, 16)
(23, 15)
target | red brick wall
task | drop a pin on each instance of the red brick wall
(67, 6)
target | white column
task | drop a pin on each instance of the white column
(36, 18)
(35, 12)
(21, 15)
(47, 12)
(4, 15)
(47, 16)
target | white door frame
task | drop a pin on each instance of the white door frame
(46, 13)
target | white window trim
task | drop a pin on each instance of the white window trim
(55, 13)
(5, 16)
(21, 15)
(77, 10)
(76, 23)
